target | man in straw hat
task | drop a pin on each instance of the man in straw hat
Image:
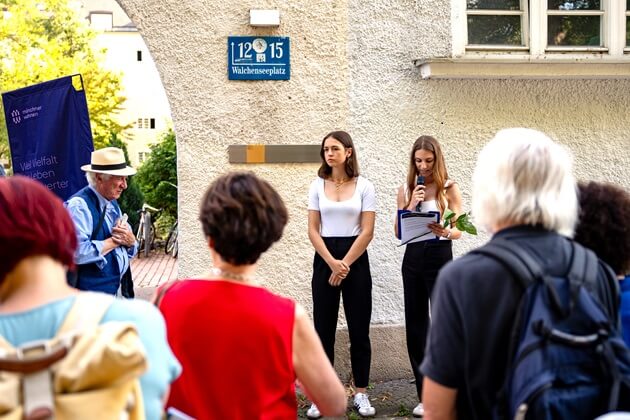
(106, 242)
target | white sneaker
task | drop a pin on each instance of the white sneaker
(313, 412)
(418, 411)
(363, 406)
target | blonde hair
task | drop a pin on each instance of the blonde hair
(523, 177)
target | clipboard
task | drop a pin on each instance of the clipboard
(412, 226)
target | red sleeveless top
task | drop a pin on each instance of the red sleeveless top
(234, 343)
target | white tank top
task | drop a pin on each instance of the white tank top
(429, 205)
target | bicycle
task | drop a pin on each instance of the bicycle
(171, 246)
(146, 230)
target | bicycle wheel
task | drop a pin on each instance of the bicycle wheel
(140, 236)
(152, 238)
(175, 242)
(171, 240)
(147, 234)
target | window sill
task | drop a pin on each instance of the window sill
(520, 66)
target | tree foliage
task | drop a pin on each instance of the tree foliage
(132, 198)
(158, 175)
(42, 40)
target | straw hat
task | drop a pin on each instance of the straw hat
(109, 160)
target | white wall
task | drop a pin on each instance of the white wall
(352, 69)
(140, 80)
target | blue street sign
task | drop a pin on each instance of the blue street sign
(259, 58)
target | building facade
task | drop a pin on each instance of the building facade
(387, 71)
(146, 109)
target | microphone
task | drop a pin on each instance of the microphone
(419, 181)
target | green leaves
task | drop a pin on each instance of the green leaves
(462, 223)
(158, 175)
(448, 215)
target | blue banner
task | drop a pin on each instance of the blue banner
(49, 133)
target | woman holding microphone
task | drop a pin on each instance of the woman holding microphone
(427, 188)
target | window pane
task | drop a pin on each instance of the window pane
(494, 30)
(574, 30)
(628, 31)
(627, 4)
(574, 4)
(494, 4)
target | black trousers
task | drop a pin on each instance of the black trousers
(126, 284)
(420, 267)
(356, 290)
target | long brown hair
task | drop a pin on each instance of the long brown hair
(352, 164)
(440, 175)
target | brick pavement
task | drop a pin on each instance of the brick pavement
(149, 273)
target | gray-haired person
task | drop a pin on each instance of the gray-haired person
(523, 192)
(106, 242)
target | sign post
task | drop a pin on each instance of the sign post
(259, 58)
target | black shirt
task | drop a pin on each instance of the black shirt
(473, 308)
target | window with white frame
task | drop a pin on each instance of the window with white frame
(142, 156)
(498, 23)
(545, 27)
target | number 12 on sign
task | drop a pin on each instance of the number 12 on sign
(258, 58)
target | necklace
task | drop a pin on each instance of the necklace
(217, 272)
(338, 184)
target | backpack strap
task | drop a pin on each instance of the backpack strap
(526, 271)
(576, 273)
(583, 271)
(86, 312)
(514, 258)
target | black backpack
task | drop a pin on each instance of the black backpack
(566, 357)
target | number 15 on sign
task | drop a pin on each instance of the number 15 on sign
(258, 58)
